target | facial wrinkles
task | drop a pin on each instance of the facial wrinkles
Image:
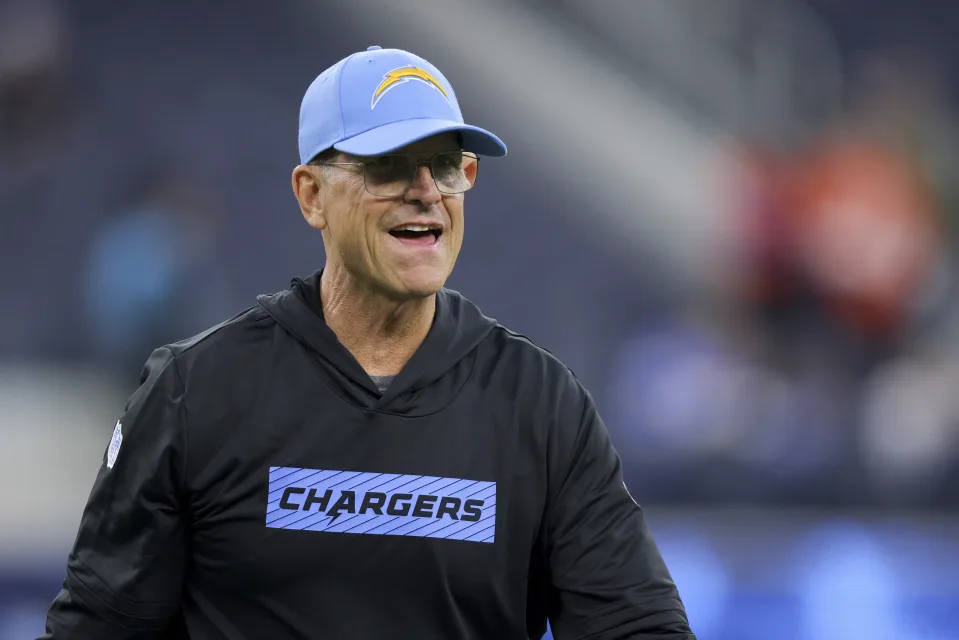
(347, 194)
(358, 223)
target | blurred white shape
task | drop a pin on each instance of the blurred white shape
(910, 419)
(848, 588)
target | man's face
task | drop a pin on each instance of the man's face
(364, 234)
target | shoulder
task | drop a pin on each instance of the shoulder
(222, 345)
(521, 349)
(217, 375)
(527, 367)
(223, 360)
(223, 336)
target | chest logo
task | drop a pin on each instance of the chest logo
(381, 504)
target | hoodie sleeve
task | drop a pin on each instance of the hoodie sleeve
(608, 579)
(125, 572)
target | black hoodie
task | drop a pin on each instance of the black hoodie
(260, 487)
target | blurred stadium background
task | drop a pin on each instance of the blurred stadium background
(736, 220)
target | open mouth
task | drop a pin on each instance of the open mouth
(417, 234)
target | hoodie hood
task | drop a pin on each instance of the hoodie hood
(430, 380)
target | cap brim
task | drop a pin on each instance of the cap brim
(397, 135)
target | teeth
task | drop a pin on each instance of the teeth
(413, 227)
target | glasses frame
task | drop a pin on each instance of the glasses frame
(417, 163)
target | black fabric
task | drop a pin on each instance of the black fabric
(197, 532)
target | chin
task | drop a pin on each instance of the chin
(421, 283)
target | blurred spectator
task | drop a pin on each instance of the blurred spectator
(844, 256)
(678, 391)
(910, 426)
(865, 232)
(706, 405)
(154, 275)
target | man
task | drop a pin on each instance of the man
(365, 455)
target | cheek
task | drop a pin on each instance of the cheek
(457, 222)
(368, 216)
(350, 219)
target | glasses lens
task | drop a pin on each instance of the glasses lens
(455, 171)
(389, 175)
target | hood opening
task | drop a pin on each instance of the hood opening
(429, 381)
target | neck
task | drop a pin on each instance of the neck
(381, 333)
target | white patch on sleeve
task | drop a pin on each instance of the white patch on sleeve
(115, 443)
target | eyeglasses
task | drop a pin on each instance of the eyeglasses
(392, 175)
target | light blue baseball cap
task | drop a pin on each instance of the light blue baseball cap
(379, 100)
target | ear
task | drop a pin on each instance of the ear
(310, 190)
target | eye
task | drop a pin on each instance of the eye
(381, 162)
(451, 160)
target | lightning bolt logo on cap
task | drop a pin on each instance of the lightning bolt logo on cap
(402, 75)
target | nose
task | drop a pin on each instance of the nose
(423, 189)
